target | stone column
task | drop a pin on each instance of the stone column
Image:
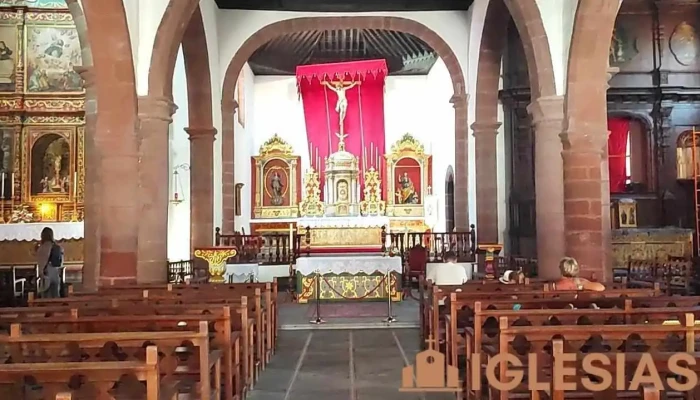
(155, 116)
(228, 173)
(461, 197)
(486, 180)
(547, 119)
(583, 198)
(201, 186)
(92, 215)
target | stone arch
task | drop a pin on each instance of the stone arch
(110, 144)
(528, 21)
(197, 70)
(587, 198)
(269, 32)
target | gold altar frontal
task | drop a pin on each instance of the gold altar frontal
(343, 237)
(359, 287)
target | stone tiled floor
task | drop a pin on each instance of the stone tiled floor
(341, 365)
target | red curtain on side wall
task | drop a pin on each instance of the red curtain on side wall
(364, 120)
(617, 153)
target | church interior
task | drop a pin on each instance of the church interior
(287, 199)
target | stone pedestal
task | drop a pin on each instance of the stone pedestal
(486, 180)
(155, 116)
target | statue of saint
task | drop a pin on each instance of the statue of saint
(407, 192)
(341, 107)
(277, 189)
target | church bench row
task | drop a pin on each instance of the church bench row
(226, 333)
(268, 290)
(546, 341)
(265, 317)
(675, 277)
(183, 354)
(141, 380)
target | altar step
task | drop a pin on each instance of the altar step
(338, 325)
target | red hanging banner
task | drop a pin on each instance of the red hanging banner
(363, 83)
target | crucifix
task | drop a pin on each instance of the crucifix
(341, 107)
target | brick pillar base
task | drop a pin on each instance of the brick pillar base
(155, 116)
(547, 117)
(583, 208)
(201, 186)
(486, 180)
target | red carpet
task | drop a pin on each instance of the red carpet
(345, 310)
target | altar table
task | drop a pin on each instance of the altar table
(349, 278)
(344, 232)
(18, 241)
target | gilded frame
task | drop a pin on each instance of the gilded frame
(275, 149)
(14, 19)
(406, 147)
(30, 135)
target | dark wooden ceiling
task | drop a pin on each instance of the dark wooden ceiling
(346, 5)
(405, 54)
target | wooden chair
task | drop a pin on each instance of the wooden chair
(416, 265)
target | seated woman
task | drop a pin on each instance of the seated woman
(571, 281)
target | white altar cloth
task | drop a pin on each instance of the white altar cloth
(32, 231)
(344, 222)
(238, 273)
(348, 264)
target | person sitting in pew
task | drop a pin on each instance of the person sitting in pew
(449, 273)
(571, 281)
(511, 277)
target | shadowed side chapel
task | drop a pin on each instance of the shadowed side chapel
(230, 199)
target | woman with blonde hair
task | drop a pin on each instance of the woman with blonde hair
(571, 281)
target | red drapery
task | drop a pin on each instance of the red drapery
(617, 153)
(364, 120)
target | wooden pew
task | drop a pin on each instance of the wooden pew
(224, 334)
(675, 277)
(517, 341)
(99, 379)
(124, 345)
(135, 302)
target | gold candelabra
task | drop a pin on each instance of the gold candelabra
(311, 205)
(372, 203)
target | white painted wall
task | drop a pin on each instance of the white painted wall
(419, 105)
(246, 143)
(179, 215)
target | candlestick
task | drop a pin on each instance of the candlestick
(364, 159)
(12, 185)
(311, 153)
(371, 153)
(318, 161)
(291, 238)
(2, 187)
(75, 184)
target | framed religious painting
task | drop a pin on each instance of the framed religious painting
(52, 49)
(49, 164)
(10, 51)
(275, 181)
(408, 171)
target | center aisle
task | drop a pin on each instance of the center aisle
(340, 365)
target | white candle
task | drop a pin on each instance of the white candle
(291, 237)
(2, 187)
(12, 185)
(75, 185)
(371, 153)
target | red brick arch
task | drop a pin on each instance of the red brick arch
(111, 221)
(587, 196)
(527, 18)
(273, 30)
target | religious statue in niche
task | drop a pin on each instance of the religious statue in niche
(407, 192)
(50, 165)
(277, 189)
(623, 47)
(684, 44)
(341, 107)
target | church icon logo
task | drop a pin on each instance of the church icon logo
(430, 372)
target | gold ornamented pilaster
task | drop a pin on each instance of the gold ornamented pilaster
(311, 205)
(216, 257)
(372, 203)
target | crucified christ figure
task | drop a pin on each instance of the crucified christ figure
(341, 107)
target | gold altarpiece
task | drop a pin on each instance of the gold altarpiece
(42, 119)
(408, 171)
(276, 180)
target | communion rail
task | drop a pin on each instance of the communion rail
(463, 244)
(268, 249)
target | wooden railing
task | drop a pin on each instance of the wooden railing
(268, 249)
(463, 244)
(180, 271)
